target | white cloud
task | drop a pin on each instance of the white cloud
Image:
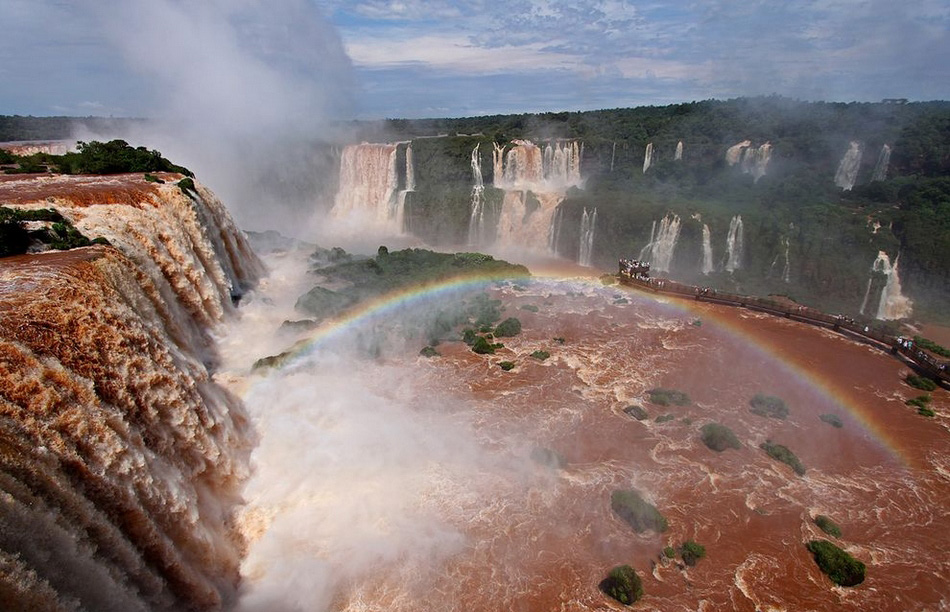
(458, 53)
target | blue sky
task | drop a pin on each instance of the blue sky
(424, 58)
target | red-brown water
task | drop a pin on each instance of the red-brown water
(542, 539)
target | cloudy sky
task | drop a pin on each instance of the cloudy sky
(423, 58)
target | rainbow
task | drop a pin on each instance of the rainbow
(384, 307)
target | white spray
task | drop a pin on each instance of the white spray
(678, 156)
(648, 157)
(893, 304)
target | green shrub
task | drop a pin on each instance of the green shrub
(541, 355)
(530, 308)
(842, 568)
(608, 279)
(783, 454)
(468, 336)
(665, 397)
(768, 406)
(636, 412)
(927, 412)
(665, 418)
(832, 419)
(429, 351)
(186, 185)
(482, 346)
(921, 382)
(719, 437)
(692, 552)
(507, 365)
(508, 328)
(669, 552)
(623, 584)
(559, 340)
(931, 346)
(920, 401)
(637, 512)
(14, 239)
(151, 178)
(828, 526)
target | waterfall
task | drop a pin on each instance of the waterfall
(476, 221)
(535, 181)
(734, 153)
(554, 233)
(893, 304)
(122, 457)
(648, 157)
(613, 156)
(662, 243)
(678, 156)
(525, 166)
(847, 172)
(734, 245)
(760, 161)
(527, 220)
(707, 251)
(883, 161)
(786, 271)
(367, 199)
(588, 226)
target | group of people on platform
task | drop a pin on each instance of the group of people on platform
(635, 269)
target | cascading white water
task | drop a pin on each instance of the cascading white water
(122, 457)
(678, 156)
(476, 220)
(659, 251)
(613, 156)
(368, 199)
(588, 227)
(847, 172)
(707, 250)
(529, 174)
(787, 270)
(893, 304)
(734, 245)
(554, 233)
(751, 160)
(525, 166)
(524, 226)
(734, 153)
(883, 161)
(648, 157)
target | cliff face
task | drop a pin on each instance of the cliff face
(120, 459)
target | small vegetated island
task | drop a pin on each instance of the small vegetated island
(719, 437)
(768, 406)
(623, 584)
(828, 526)
(668, 397)
(783, 454)
(637, 512)
(841, 567)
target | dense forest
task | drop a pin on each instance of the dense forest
(804, 236)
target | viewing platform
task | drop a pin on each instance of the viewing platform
(637, 274)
